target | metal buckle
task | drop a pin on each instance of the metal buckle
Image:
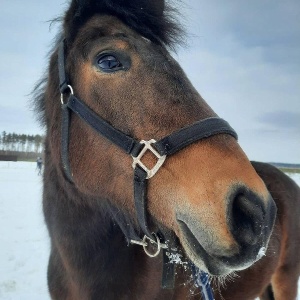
(160, 158)
(62, 94)
(145, 244)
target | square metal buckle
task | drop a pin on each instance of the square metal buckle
(137, 160)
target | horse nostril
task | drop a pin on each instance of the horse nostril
(246, 218)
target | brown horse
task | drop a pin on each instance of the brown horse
(111, 83)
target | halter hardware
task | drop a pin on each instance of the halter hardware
(145, 244)
(71, 92)
(137, 159)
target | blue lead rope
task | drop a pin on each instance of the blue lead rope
(202, 281)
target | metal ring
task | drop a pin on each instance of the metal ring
(145, 245)
(62, 94)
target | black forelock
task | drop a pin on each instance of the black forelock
(153, 19)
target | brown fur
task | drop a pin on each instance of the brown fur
(197, 186)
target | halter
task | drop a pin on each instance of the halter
(160, 149)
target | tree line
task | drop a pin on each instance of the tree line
(14, 142)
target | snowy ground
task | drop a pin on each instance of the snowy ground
(23, 236)
(24, 246)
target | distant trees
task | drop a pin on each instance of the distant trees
(14, 142)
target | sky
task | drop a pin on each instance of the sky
(242, 56)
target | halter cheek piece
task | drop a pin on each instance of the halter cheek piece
(160, 149)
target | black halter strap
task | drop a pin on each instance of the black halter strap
(161, 149)
(165, 147)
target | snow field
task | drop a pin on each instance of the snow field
(24, 245)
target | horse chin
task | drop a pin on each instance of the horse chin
(211, 263)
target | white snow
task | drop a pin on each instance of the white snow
(24, 244)
(295, 177)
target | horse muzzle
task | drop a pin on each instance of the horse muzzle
(249, 224)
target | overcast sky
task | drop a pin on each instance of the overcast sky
(242, 56)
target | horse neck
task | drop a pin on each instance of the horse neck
(93, 249)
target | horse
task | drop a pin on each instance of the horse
(145, 187)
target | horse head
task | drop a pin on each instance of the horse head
(208, 195)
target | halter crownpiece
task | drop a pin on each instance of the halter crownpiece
(161, 150)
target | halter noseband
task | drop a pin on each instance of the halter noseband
(161, 150)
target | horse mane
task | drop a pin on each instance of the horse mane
(38, 94)
(155, 19)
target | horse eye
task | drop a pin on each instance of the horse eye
(109, 63)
